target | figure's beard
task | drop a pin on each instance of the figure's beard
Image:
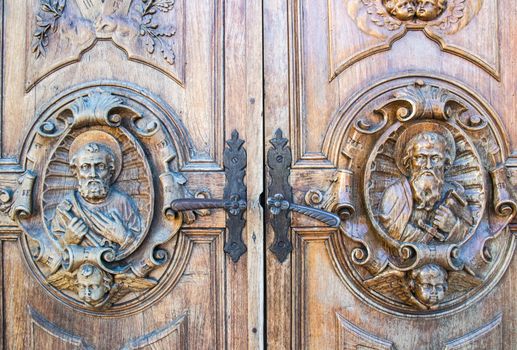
(427, 189)
(93, 189)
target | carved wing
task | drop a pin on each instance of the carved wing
(125, 284)
(462, 282)
(393, 283)
(372, 18)
(63, 280)
(459, 13)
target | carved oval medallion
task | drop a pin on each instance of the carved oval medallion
(105, 164)
(428, 229)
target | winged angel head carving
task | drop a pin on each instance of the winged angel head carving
(380, 17)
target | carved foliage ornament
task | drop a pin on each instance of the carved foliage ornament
(431, 229)
(65, 29)
(380, 18)
(108, 19)
(100, 225)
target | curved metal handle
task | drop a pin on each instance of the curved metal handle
(234, 205)
(279, 159)
(234, 201)
(277, 203)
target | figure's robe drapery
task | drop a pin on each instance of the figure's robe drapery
(116, 202)
(400, 219)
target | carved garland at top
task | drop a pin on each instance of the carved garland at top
(443, 16)
(65, 29)
(431, 232)
(94, 237)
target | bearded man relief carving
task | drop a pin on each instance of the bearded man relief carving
(96, 212)
(431, 234)
(423, 206)
(94, 240)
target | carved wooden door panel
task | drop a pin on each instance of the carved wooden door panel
(391, 163)
(122, 204)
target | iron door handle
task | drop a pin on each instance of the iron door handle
(280, 204)
(234, 199)
(277, 203)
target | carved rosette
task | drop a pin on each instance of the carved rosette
(102, 168)
(428, 231)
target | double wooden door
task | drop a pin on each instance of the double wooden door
(246, 174)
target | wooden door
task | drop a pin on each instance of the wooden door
(114, 163)
(398, 117)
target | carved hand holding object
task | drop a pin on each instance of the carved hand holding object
(430, 232)
(96, 244)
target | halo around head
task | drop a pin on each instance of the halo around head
(416, 129)
(101, 138)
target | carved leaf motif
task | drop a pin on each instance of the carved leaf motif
(46, 21)
(155, 35)
(164, 5)
(458, 14)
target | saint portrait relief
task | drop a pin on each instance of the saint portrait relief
(431, 200)
(422, 206)
(96, 222)
(96, 242)
(96, 213)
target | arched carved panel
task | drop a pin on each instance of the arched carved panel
(379, 23)
(151, 32)
(425, 195)
(101, 170)
(351, 337)
(44, 333)
(489, 336)
(172, 336)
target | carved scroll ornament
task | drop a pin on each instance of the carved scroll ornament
(100, 224)
(431, 230)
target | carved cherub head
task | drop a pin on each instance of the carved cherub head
(427, 156)
(401, 9)
(93, 284)
(94, 166)
(429, 284)
(427, 10)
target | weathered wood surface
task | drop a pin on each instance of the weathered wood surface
(331, 60)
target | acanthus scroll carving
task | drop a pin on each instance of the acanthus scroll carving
(102, 163)
(432, 230)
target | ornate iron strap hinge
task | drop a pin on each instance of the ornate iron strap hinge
(280, 200)
(235, 196)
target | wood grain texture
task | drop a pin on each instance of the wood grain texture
(319, 38)
(217, 55)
